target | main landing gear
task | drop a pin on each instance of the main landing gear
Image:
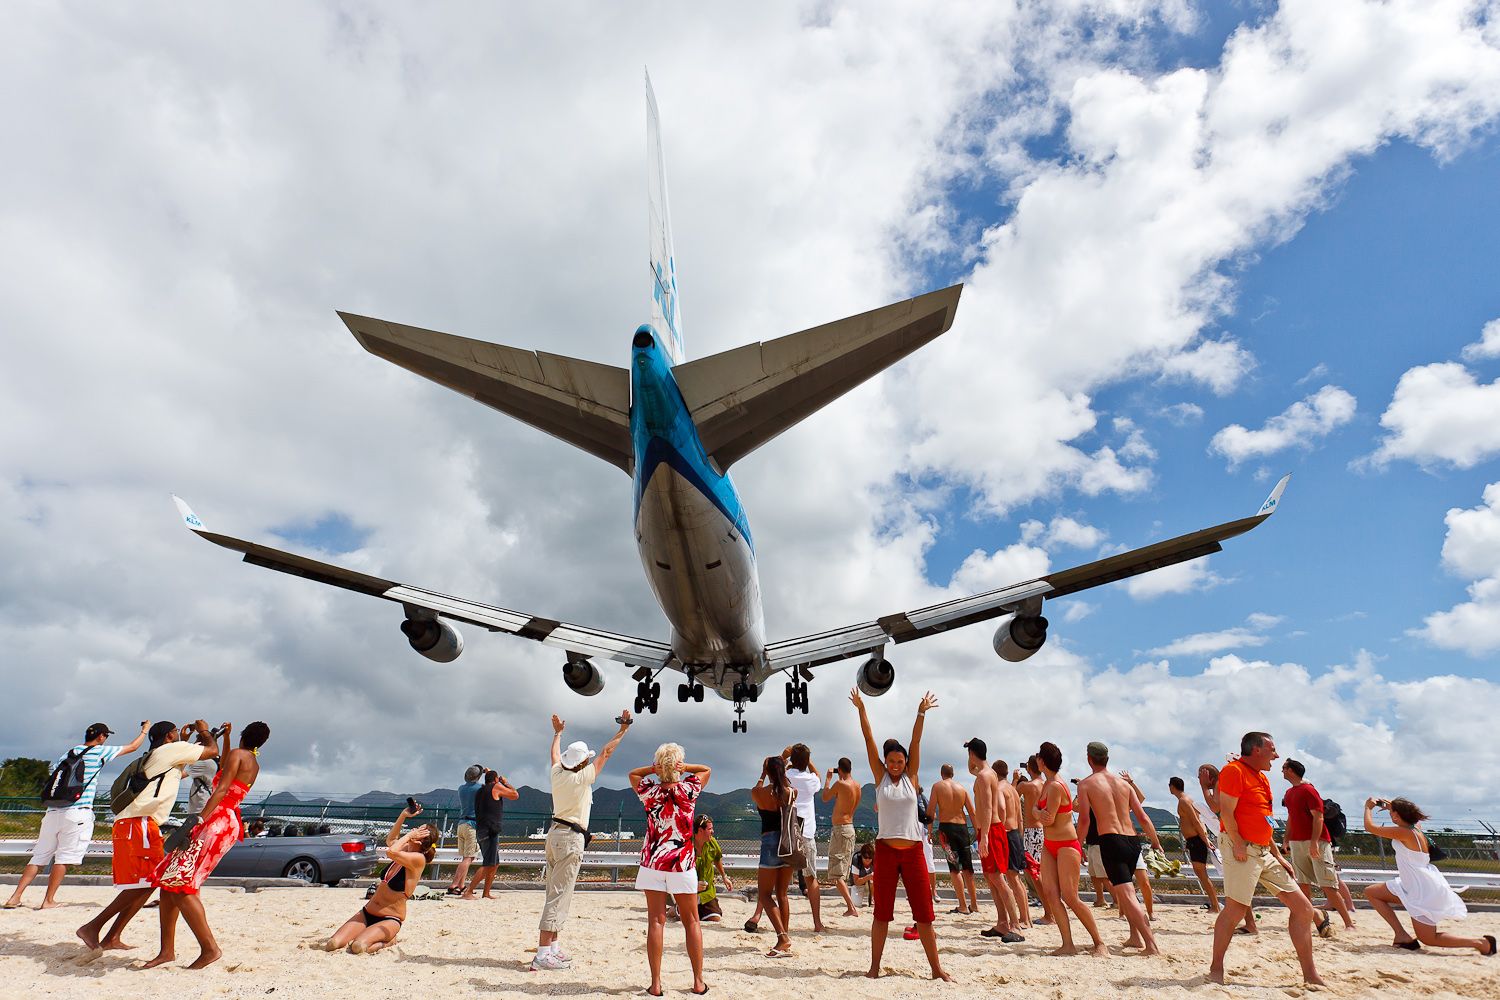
(691, 691)
(647, 692)
(742, 693)
(796, 696)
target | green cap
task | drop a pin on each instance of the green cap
(1097, 749)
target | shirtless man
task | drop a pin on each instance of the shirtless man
(955, 811)
(994, 847)
(1017, 848)
(1194, 840)
(840, 788)
(1105, 803)
(1031, 827)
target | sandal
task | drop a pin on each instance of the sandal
(1407, 945)
(752, 927)
(1325, 926)
(1491, 939)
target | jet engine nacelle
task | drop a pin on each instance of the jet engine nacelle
(1018, 638)
(433, 638)
(582, 677)
(876, 676)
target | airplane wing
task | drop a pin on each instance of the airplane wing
(582, 402)
(867, 637)
(574, 638)
(742, 398)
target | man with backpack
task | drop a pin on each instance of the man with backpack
(142, 798)
(1309, 838)
(68, 824)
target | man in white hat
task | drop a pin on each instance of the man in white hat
(573, 777)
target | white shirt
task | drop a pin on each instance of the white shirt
(808, 786)
(896, 805)
(573, 793)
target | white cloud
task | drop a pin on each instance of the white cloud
(1208, 643)
(1441, 414)
(1077, 611)
(1218, 364)
(1062, 530)
(1182, 578)
(1298, 426)
(1488, 344)
(1471, 550)
(1182, 413)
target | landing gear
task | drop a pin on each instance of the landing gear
(691, 691)
(742, 693)
(796, 696)
(647, 696)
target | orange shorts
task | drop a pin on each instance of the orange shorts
(137, 851)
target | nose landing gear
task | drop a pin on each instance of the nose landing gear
(743, 692)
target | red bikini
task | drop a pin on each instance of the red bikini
(1053, 846)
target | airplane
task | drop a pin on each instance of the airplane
(676, 427)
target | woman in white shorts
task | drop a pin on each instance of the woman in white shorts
(668, 788)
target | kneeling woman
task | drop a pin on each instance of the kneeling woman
(379, 921)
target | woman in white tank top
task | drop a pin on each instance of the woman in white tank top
(898, 844)
(1419, 887)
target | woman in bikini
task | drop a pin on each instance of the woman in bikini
(379, 921)
(1062, 854)
(1208, 781)
(182, 872)
(898, 845)
(669, 862)
(773, 796)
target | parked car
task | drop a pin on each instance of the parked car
(299, 852)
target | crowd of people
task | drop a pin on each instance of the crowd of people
(1031, 830)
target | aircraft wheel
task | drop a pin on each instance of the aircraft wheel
(698, 693)
(640, 706)
(684, 692)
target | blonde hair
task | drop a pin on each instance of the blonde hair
(669, 758)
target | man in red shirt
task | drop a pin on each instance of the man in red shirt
(1251, 858)
(1308, 841)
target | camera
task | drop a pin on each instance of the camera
(620, 720)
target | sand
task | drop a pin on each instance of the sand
(451, 948)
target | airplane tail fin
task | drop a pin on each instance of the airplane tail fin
(743, 398)
(666, 313)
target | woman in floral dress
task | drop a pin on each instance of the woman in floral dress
(182, 872)
(668, 788)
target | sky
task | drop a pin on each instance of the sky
(1202, 245)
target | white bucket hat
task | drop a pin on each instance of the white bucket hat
(576, 754)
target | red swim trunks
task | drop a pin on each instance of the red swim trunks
(137, 852)
(909, 865)
(997, 859)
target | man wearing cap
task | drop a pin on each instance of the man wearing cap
(67, 830)
(573, 777)
(137, 829)
(468, 837)
(994, 845)
(1104, 807)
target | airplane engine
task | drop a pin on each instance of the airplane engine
(1019, 637)
(433, 638)
(582, 677)
(876, 676)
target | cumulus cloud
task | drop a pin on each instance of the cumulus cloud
(1488, 344)
(1252, 633)
(1440, 414)
(1062, 530)
(1218, 364)
(1182, 413)
(1298, 426)
(1471, 550)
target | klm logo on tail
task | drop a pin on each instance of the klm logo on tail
(665, 296)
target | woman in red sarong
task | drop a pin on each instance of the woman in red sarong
(182, 872)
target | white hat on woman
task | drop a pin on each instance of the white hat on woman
(576, 754)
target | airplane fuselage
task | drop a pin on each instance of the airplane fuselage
(691, 531)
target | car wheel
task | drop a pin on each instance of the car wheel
(301, 869)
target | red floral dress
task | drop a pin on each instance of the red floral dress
(184, 870)
(669, 823)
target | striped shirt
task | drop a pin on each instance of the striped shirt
(94, 759)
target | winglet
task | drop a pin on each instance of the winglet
(188, 517)
(1269, 507)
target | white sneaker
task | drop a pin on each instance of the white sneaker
(549, 963)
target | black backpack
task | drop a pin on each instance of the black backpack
(131, 783)
(1334, 819)
(65, 785)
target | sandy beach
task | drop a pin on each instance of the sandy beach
(452, 948)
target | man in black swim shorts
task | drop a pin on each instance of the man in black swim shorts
(953, 806)
(1105, 805)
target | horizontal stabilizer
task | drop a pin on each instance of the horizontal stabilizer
(741, 399)
(582, 402)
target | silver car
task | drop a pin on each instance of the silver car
(297, 852)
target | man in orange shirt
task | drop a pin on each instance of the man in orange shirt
(1251, 857)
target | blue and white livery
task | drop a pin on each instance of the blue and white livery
(676, 427)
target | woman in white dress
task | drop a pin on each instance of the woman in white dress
(1418, 887)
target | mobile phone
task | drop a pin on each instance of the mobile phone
(411, 804)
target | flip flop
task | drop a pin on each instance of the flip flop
(1491, 939)
(910, 934)
(699, 993)
(778, 953)
(1408, 945)
(752, 927)
(990, 932)
(956, 910)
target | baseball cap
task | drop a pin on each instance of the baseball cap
(1097, 749)
(97, 730)
(978, 747)
(575, 755)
